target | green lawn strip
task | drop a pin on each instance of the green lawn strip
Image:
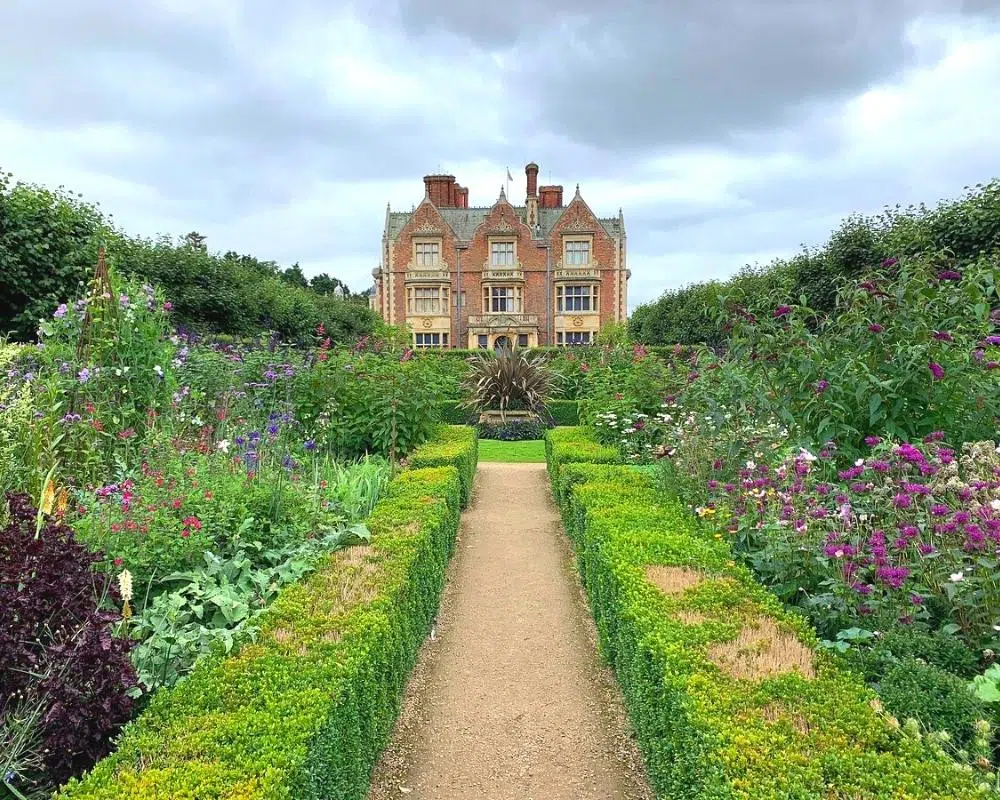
(531, 451)
(708, 731)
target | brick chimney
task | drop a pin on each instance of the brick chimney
(441, 190)
(463, 196)
(531, 201)
(551, 196)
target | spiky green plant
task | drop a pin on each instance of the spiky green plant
(508, 381)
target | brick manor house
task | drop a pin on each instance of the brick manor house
(489, 277)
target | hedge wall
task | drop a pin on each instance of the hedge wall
(564, 412)
(575, 445)
(718, 717)
(304, 711)
(452, 445)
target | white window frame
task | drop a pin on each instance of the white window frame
(582, 295)
(578, 251)
(434, 301)
(427, 253)
(513, 295)
(503, 253)
(563, 338)
(431, 340)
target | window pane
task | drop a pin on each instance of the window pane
(484, 341)
(577, 253)
(522, 340)
(502, 254)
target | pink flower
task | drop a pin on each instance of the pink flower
(875, 328)
(936, 370)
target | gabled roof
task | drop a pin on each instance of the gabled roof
(464, 221)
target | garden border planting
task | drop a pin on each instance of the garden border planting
(728, 696)
(305, 709)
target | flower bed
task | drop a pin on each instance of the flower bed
(304, 711)
(728, 696)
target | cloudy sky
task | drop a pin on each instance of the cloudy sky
(730, 131)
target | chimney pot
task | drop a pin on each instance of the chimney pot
(531, 170)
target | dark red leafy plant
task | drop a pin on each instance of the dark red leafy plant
(56, 642)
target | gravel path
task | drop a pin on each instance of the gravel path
(509, 699)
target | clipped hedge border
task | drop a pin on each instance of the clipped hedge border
(704, 732)
(305, 710)
(451, 445)
(575, 445)
(564, 412)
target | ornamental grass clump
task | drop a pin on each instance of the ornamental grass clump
(509, 381)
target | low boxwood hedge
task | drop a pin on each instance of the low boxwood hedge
(303, 711)
(719, 713)
(575, 445)
(451, 445)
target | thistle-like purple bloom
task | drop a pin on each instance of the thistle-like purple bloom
(821, 386)
(936, 370)
(943, 336)
(949, 275)
(875, 328)
(309, 444)
(782, 311)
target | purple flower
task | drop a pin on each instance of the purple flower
(84, 375)
(979, 354)
(939, 510)
(879, 466)
(949, 275)
(309, 444)
(61, 311)
(890, 262)
(168, 306)
(873, 441)
(893, 577)
(902, 501)
(925, 549)
(875, 328)
(821, 386)
(123, 301)
(936, 370)
(994, 340)
(782, 311)
(943, 336)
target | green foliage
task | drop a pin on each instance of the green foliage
(513, 430)
(968, 229)
(704, 732)
(48, 248)
(873, 658)
(508, 381)
(572, 445)
(938, 700)
(451, 412)
(16, 469)
(564, 412)
(451, 446)
(366, 402)
(304, 711)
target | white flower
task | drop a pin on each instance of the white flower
(197, 421)
(751, 465)
(158, 370)
(995, 505)
(806, 455)
(223, 446)
(125, 585)
(956, 577)
(859, 463)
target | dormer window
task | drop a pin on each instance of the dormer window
(427, 254)
(502, 254)
(577, 253)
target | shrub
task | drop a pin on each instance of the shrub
(64, 679)
(451, 412)
(304, 711)
(454, 446)
(513, 430)
(573, 445)
(508, 381)
(938, 700)
(563, 412)
(726, 693)
(896, 644)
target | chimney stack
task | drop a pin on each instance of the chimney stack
(441, 190)
(532, 172)
(551, 196)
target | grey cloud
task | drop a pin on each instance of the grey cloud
(645, 74)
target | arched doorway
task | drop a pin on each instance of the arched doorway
(501, 343)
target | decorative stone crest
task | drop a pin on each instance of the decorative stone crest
(428, 229)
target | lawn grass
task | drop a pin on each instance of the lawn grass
(531, 451)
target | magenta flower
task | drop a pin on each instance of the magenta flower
(936, 370)
(949, 275)
(992, 340)
(939, 510)
(890, 262)
(782, 311)
(943, 336)
(875, 328)
(902, 501)
(873, 441)
(168, 306)
(821, 386)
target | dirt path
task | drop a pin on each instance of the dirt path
(509, 700)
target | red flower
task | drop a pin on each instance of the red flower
(177, 502)
(116, 527)
(118, 562)
(185, 533)
(193, 522)
(208, 495)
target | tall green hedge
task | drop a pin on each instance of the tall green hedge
(452, 445)
(304, 711)
(705, 733)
